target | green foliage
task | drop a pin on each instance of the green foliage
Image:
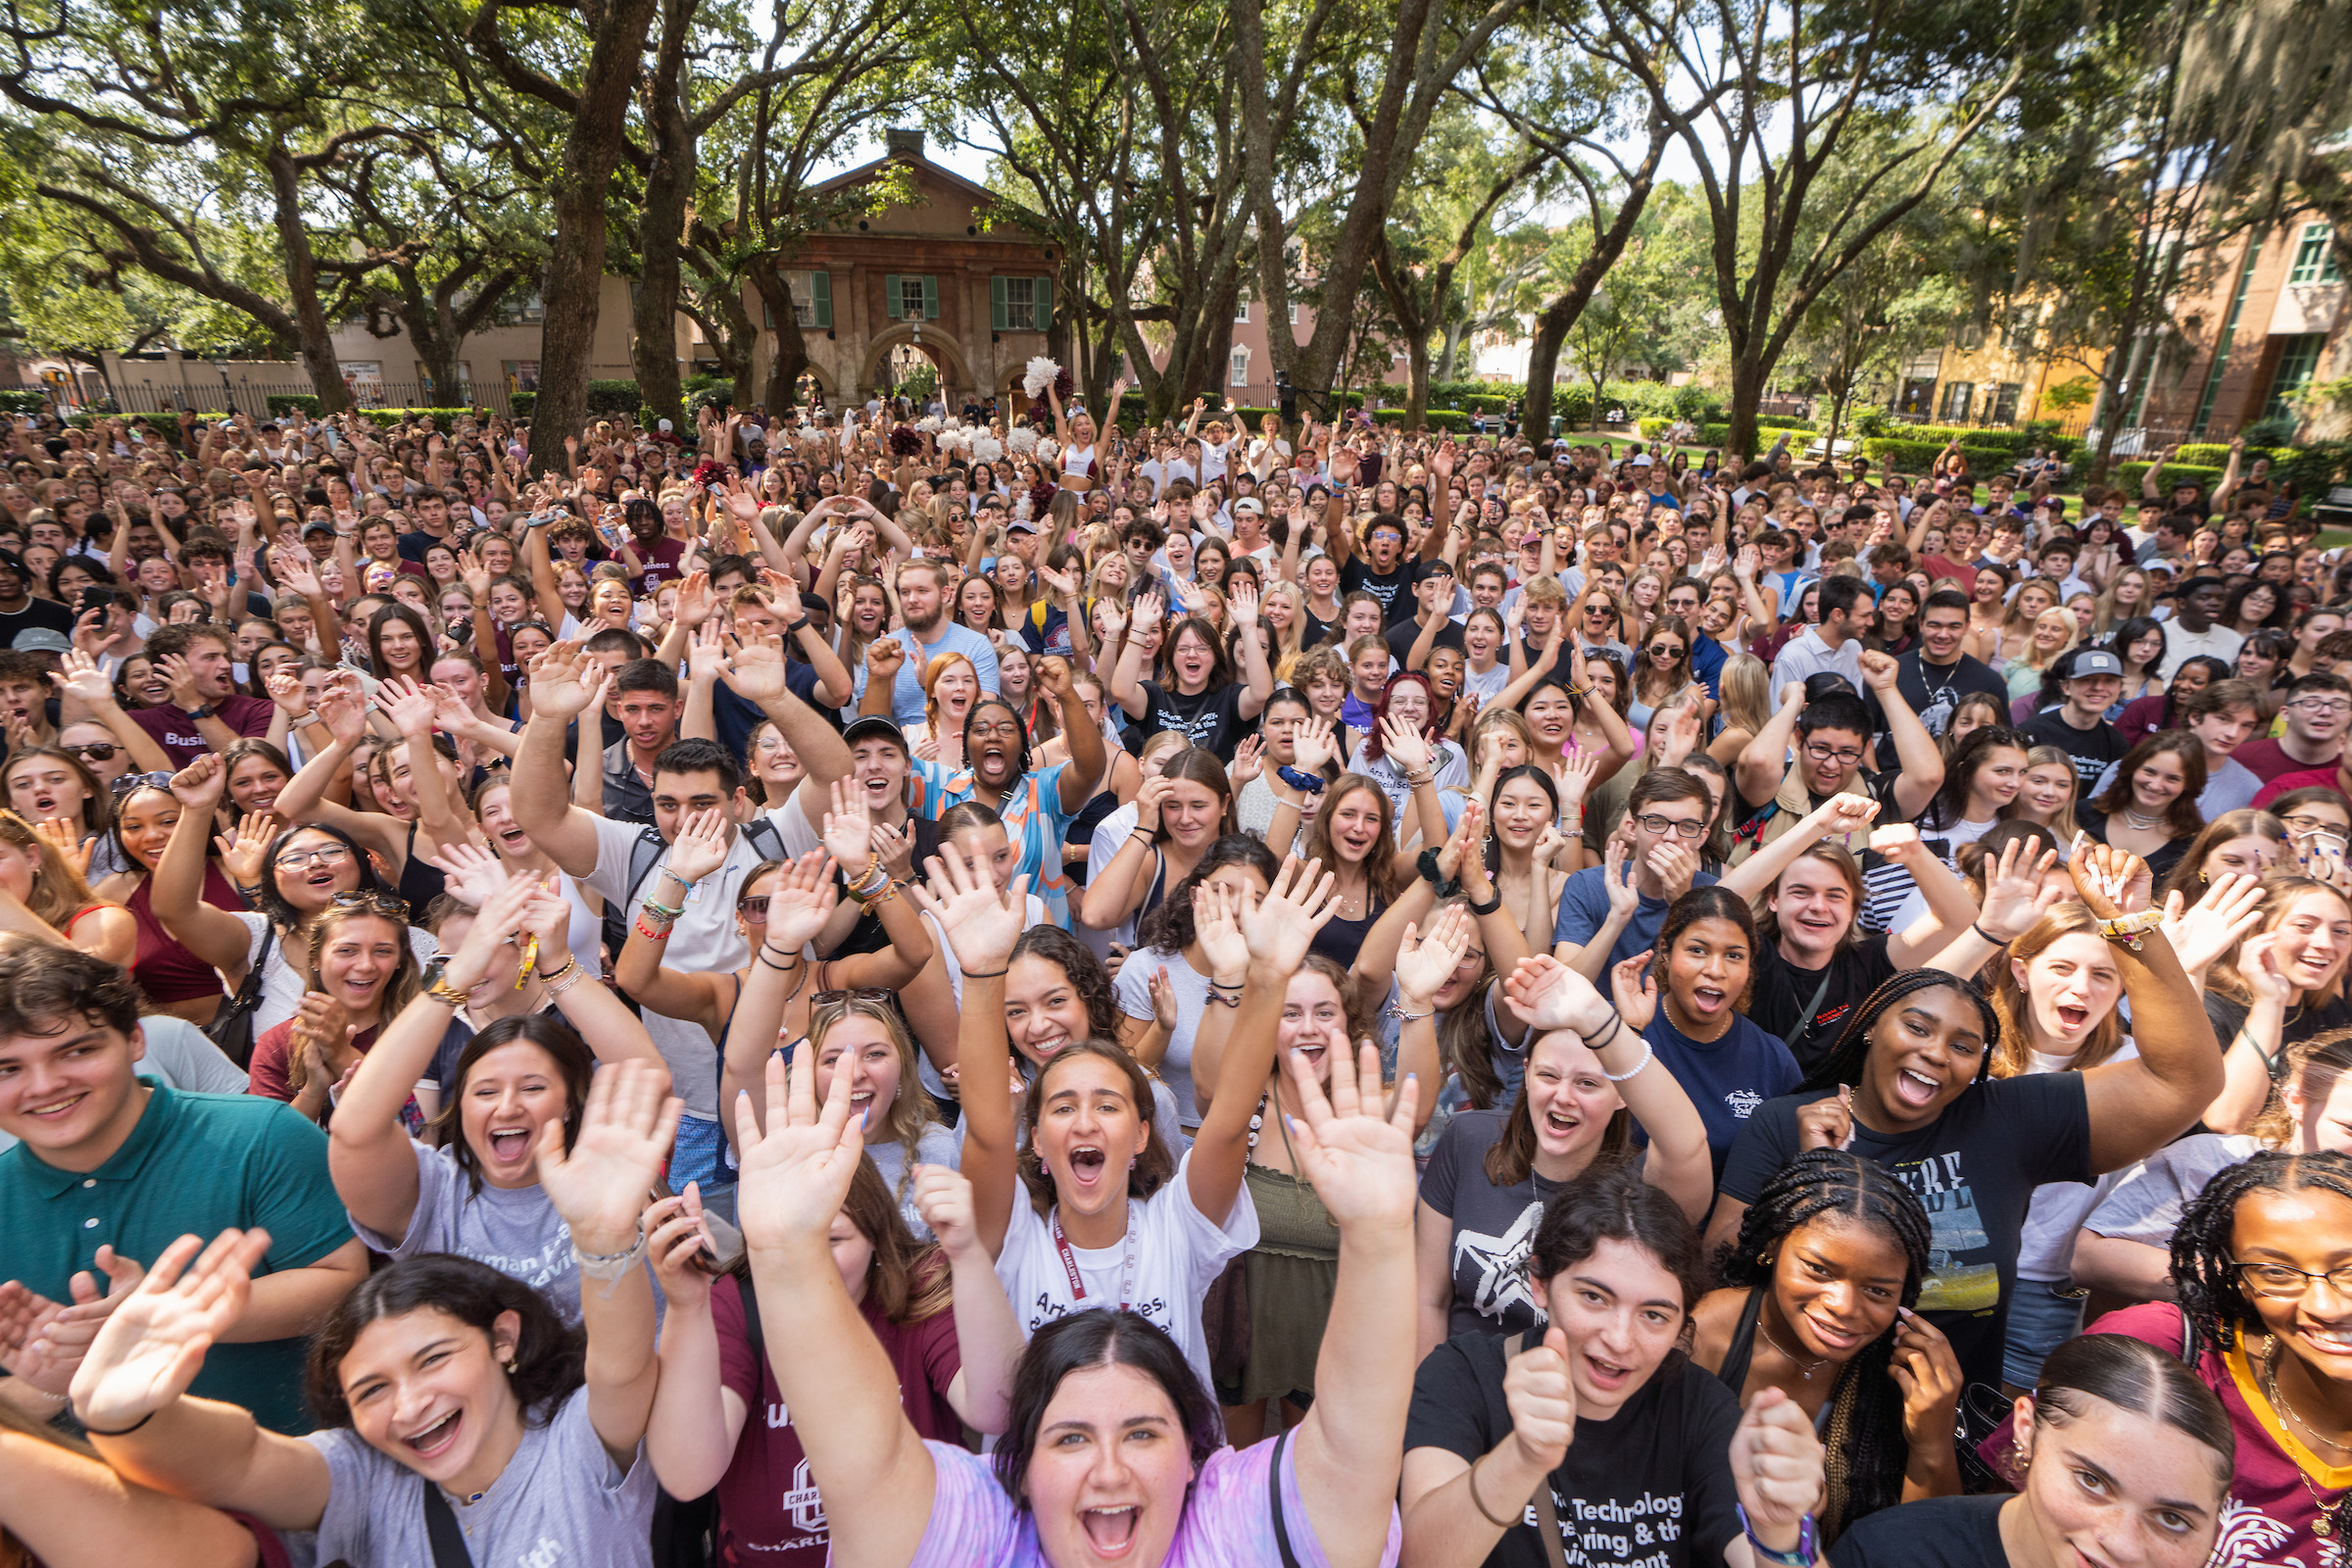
(2074, 393)
(522, 403)
(1917, 457)
(715, 391)
(2129, 474)
(2315, 468)
(612, 397)
(2214, 454)
(28, 402)
(293, 403)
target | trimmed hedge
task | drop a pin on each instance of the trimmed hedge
(522, 403)
(614, 397)
(2216, 454)
(28, 401)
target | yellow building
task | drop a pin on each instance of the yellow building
(1999, 375)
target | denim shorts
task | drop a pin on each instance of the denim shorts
(2043, 1314)
(695, 1157)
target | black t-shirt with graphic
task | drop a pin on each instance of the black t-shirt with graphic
(1493, 1228)
(1649, 1487)
(1393, 589)
(1782, 990)
(2094, 750)
(1212, 718)
(1975, 1168)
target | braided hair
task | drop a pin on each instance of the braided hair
(2205, 1271)
(1845, 1062)
(1866, 1453)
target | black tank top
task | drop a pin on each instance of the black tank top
(421, 882)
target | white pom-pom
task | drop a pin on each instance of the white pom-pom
(929, 425)
(1047, 449)
(1021, 441)
(1020, 506)
(1042, 372)
(987, 449)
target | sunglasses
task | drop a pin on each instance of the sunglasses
(384, 904)
(827, 999)
(95, 752)
(133, 781)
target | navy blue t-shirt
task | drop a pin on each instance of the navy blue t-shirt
(1585, 908)
(1726, 1078)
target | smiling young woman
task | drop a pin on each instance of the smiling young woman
(1908, 1086)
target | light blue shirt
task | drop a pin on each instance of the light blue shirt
(907, 691)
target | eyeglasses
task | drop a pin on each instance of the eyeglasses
(1654, 822)
(95, 752)
(2319, 707)
(322, 853)
(1825, 754)
(133, 781)
(2282, 1282)
(827, 999)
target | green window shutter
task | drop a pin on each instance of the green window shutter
(930, 298)
(999, 320)
(821, 298)
(890, 297)
(1043, 291)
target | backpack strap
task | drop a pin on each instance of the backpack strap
(1282, 1525)
(644, 851)
(441, 1529)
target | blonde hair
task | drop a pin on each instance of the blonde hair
(910, 1115)
(2061, 823)
(58, 892)
(1746, 683)
(2034, 658)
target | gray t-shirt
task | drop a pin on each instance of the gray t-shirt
(938, 1145)
(560, 1500)
(1491, 1229)
(515, 1230)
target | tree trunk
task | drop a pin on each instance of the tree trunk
(1543, 365)
(661, 225)
(312, 335)
(1748, 374)
(575, 272)
(1600, 389)
(791, 360)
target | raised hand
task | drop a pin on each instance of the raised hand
(982, 920)
(678, 1242)
(754, 667)
(849, 828)
(502, 899)
(2015, 899)
(1216, 922)
(1149, 796)
(408, 705)
(1636, 990)
(1826, 1123)
(1426, 963)
(1541, 1401)
(2227, 913)
(1358, 1161)
(567, 683)
(245, 848)
(1405, 745)
(153, 1342)
(1777, 1467)
(81, 680)
(1249, 760)
(795, 1176)
(1545, 994)
(1928, 1375)
(600, 1185)
(1279, 926)
(1315, 744)
(2112, 882)
(199, 785)
(42, 1341)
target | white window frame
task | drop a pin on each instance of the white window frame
(1239, 365)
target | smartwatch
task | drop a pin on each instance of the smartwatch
(206, 712)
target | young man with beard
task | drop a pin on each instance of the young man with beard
(1036, 807)
(1935, 675)
(927, 633)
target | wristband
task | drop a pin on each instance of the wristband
(1492, 905)
(1808, 1544)
(1304, 783)
(608, 1265)
(1593, 1042)
(572, 975)
(2131, 929)
(1987, 935)
(125, 1432)
(1648, 1052)
(985, 974)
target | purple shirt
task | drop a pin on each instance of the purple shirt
(1225, 1522)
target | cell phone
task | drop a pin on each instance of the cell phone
(93, 598)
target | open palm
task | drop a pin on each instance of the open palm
(1359, 1161)
(1282, 925)
(795, 1176)
(153, 1346)
(601, 1185)
(982, 920)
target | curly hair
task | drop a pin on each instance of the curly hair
(1865, 1452)
(1050, 944)
(1169, 928)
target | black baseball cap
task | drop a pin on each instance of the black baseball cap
(873, 727)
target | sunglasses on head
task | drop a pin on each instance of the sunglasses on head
(132, 781)
(827, 999)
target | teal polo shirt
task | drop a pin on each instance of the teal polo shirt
(194, 1164)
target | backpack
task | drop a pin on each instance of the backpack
(646, 848)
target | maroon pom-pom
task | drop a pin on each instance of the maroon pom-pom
(905, 440)
(1040, 412)
(1041, 496)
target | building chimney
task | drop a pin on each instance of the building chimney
(898, 141)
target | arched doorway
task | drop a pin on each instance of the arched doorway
(895, 358)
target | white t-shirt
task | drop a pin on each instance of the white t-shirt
(1179, 1254)
(1132, 987)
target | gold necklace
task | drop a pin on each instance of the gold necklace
(2320, 1525)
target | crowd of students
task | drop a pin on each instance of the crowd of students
(877, 986)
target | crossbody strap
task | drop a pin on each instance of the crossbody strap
(1547, 1516)
(1282, 1525)
(441, 1529)
(1805, 1022)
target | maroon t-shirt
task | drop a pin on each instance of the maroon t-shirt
(661, 560)
(2267, 758)
(177, 733)
(768, 1510)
